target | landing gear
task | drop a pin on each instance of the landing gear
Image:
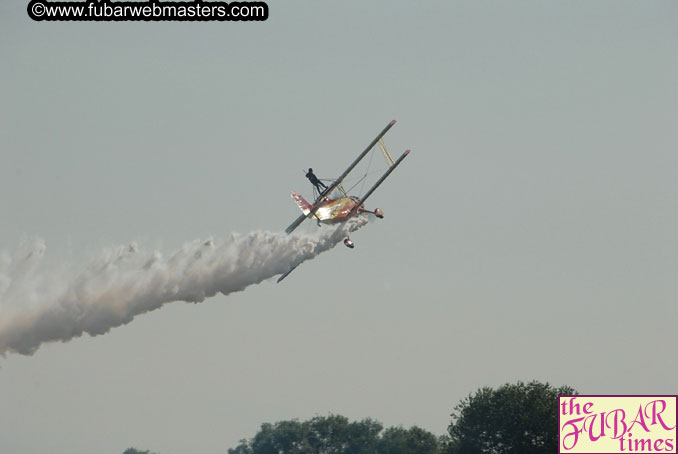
(348, 243)
(378, 213)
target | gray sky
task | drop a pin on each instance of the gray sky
(531, 234)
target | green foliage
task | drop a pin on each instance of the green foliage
(396, 440)
(513, 419)
(334, 434)
(136, 451)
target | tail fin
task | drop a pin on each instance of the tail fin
(303, 204)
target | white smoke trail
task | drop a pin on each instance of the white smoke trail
(117, 286)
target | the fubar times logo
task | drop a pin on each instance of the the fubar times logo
(617, 424)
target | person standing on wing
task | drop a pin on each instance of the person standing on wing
(315, 181)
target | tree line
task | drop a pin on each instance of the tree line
(514, 418)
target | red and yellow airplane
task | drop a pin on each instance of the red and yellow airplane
(328, 210)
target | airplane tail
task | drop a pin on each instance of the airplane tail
(303, 204)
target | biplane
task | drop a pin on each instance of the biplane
(330, 208)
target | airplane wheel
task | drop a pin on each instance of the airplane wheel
(378, 213)
(349, 243)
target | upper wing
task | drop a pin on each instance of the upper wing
(381, 180)
(338, 181)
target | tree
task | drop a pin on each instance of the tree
(397, 440)
(136, 451)
(513, 419)
(334, 434)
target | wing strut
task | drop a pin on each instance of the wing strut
(381, 180)
(360, 157)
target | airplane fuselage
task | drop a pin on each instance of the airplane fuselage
(336, 210)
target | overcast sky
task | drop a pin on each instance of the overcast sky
(530, 234)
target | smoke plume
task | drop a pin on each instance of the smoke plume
(120, 284)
